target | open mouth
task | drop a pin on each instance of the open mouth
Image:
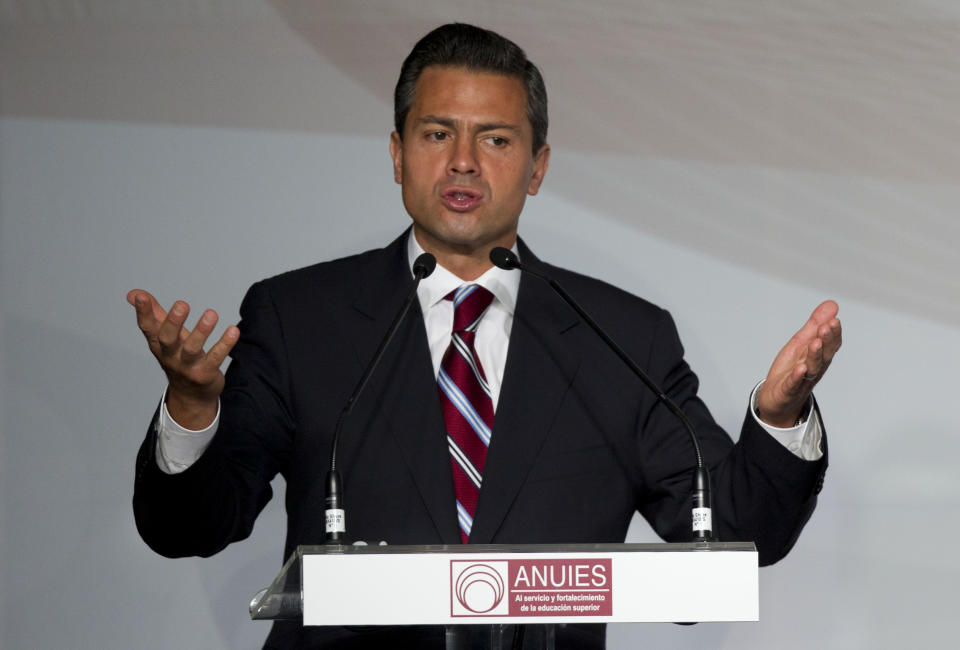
(461, 199)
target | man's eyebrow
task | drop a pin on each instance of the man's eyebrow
(497, 126)
(480, 128)
(435, 119)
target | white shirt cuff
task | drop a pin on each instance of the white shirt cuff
(804, 440)
(179, 448)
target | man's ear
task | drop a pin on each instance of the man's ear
(396, 153)
(540, 163)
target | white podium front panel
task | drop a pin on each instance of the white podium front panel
(470, 585)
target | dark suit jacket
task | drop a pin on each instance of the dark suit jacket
(578, 443)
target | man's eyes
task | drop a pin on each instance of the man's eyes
(495, 140)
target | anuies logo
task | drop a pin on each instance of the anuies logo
(526, 588)
(479, 588)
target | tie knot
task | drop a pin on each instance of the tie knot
(469, 303)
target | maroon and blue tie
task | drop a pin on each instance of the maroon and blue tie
(466, 401)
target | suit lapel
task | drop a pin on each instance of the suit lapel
(541, 365)
(406, 403)
(540, 369)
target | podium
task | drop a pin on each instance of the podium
(503, 586)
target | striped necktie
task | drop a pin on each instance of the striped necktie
(467, 405)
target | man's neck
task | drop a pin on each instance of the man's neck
(467, 269)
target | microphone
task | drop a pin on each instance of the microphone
(504, 258)
(702, 521)
(423, 266)
(335, 525)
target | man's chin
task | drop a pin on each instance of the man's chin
(467, 246)
(462, 241)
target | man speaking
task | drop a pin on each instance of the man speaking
(496, 415)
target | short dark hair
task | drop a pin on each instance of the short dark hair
(474, 48)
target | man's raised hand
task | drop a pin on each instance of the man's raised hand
(799, 366)
(194, 375)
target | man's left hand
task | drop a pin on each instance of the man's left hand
(799, 366)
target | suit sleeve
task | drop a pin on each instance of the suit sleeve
(762, 492)
(217, 499)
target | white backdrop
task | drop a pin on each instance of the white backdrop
(769, 156)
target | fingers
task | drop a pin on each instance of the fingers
(823, 326)
(218, 353)
(831, 334)
(171, 341)
(149, 313)
(192, 349)
(193, 342)
(169, 333)
(815, 358)
(185, 347)
(824, 313)
(135, 296)
(821, 350)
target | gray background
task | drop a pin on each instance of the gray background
(734, 161)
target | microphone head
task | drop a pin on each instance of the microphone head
(424, 265)
(504, 258)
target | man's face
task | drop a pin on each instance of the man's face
(465, 162)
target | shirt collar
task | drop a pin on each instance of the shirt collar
(503, 284)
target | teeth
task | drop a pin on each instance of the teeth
(460, 197)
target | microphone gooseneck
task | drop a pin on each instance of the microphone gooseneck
(702, 514)
(335, 525)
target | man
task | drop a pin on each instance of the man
(572, 444)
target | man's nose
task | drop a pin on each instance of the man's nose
(463, 159)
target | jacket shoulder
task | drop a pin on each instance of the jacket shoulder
(601, 297)
(334, 277)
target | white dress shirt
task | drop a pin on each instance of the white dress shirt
(178, 448)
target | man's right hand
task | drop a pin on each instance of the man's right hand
(194, 376)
